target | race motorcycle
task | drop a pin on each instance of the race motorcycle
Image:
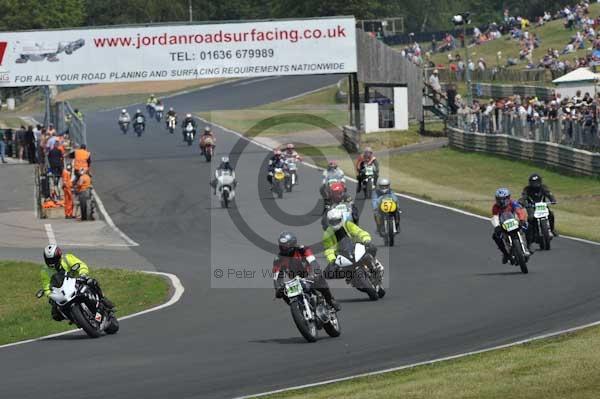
(278, 182)
(209, 147)
(139, 126)
(388, 210)
(225, 189)
(79, 303)
(158, 112)
(291, 178)
(309, 309)
(514, 240)
(189, 133)
(360, 269)
(150, 109)
(171, 123)
(368, 180)
(124, 125)
(541, 227)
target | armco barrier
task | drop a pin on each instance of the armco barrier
(549, 154)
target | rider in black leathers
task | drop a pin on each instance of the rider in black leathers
(188, 119)
(537, 192)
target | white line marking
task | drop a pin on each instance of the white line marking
(173, 279)
(427, 362)
(50, 234)
(110, 222)
(249, 82)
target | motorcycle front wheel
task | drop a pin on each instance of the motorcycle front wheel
(332, 328)
(83, 322)
(308, 329)
(520, 256)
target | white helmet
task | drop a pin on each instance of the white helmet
(225, 159)
(52, 256)
(123, 111)
(383, 185)
(188, 115)
(335, 219)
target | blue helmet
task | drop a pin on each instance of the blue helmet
(503, 197)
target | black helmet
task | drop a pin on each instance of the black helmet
(287, 243)
(535, 181)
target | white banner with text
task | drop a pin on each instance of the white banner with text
(229, 50)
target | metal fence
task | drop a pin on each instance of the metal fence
(495, 75)
(573, 133)
(67, 121)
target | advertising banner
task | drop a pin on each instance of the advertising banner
(245, 49)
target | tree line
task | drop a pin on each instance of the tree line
(420, 16)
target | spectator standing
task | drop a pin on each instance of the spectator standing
(9, 137)
(30, 144)
(2, 147)
(56, 164)
(434, 82)
(20, 142)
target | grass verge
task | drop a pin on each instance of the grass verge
(554, 368)
(468, 181)
(308, 110)
(23, 316)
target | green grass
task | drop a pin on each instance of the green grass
(552, 34)
(307, 111)
(554, 368)
(23, 316)
(468, 180)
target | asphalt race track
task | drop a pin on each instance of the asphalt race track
(448, 291)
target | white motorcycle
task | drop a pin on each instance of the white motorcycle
(541, 228)
(124, 124)
(225, 188)
(171, 124)
(291, 178)
(158, 112)
(189, 133)
(360, 269)
(140, 125)
(79, 303)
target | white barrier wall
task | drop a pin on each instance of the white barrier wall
(401, 108)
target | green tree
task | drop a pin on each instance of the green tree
(41, 14)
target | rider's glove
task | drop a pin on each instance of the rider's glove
(371, 248)
(497, 230)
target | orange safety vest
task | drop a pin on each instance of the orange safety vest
(81, 159)
(83, 183)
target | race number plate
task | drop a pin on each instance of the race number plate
(293, 288)
(279, 175)
(368, 171)
(510, 224)
(541, 210)
(388, 205)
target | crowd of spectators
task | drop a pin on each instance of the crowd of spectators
(517, 28)
(566, 120)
